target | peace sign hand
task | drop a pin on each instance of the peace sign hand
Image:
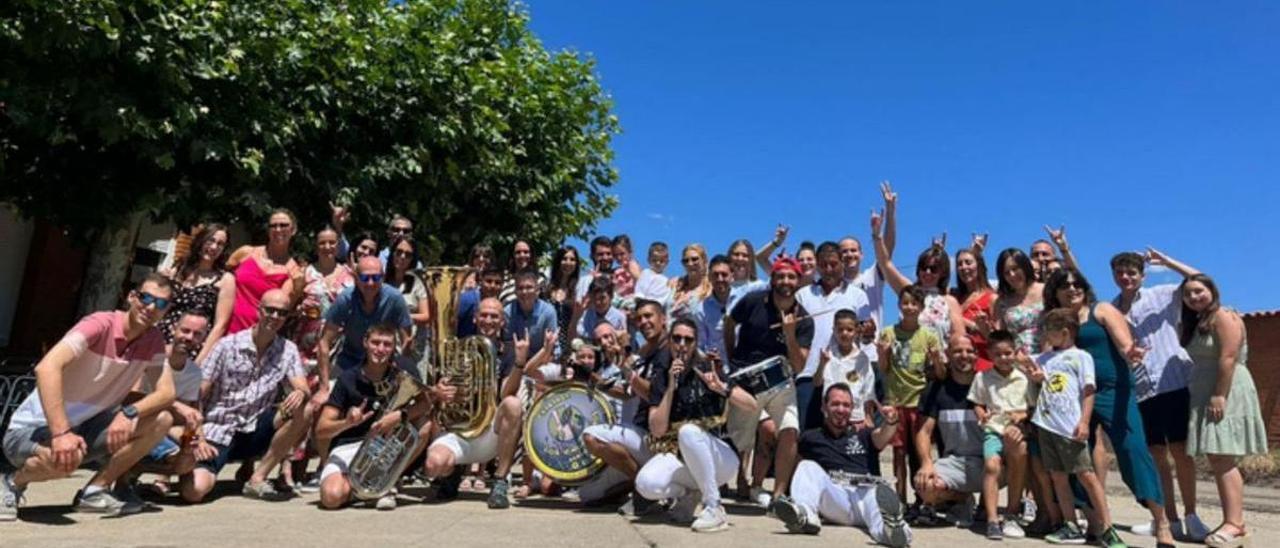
(940, 242)
(979, 242)
(1058, 236)
(780, 234)
(890, 197)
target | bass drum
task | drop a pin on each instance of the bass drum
(553, 432)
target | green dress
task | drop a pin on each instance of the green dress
(1241, 430)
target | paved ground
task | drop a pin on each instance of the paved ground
(232, 520)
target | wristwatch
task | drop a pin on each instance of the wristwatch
(129, 412)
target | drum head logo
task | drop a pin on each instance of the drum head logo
(566, 424)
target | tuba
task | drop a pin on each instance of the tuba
(470, 363)
(382, 458)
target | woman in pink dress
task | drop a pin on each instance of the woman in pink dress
(263, 268)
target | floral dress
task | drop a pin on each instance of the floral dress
(1023, 321)
(318, 296)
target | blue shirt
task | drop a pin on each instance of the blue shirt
(541, 319)
(710, 319)
(468, 302)
(348, 314)
(591, 319)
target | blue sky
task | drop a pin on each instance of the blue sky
(1130, 123)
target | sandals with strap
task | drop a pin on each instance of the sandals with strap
(1221, 538)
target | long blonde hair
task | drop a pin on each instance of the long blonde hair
(703, 288)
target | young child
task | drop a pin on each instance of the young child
(846, 362)
(627, 274)
(1063, 411)
(652, 282)
(999, 396)
(904, 350)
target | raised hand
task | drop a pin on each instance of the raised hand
(940, 241)
(357, 415)
(1155, 257)
(979, 242)
(780, 234)
(1059, 236)
(339, 215)
(789, 321)
(877, 221)
(824, 356)
(521, 346)
(890, 197)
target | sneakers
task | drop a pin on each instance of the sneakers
(1148, 529)
(994, 532)
(10, 498)
(1011, 528)
(711, 520)
(498, 499)
(263, 490)
(761, 497)
(1194, 528)
(1111, 539)
(98, 502)
(1029, 509)
(1069, 533)
(132, 502)
(386, 502)
(961, 513)
(638, 506)
(311, 486)
(794, 516)
(682, 511)
(895, 527)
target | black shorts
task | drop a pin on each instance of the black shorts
(1165, 417)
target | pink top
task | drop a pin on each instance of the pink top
(251, 284)
(103, 367)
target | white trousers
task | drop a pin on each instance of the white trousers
(707, 464)
(813, 490)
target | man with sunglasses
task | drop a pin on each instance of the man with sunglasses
(75, 415)
(369, 302)
(242, 377)
(399, 227)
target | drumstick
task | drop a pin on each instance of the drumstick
(823, 313)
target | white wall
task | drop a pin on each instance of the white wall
(15, 240)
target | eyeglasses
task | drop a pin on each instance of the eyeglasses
(682, 339)
(690, 260)
(148, 299)
(279, 226)
(274, 312)
(404, 254)
(370, 278)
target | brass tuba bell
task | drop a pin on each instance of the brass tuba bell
(470, 363)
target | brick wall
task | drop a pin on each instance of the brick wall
(1264, 364)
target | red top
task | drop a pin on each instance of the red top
(970, 311)
(251, 284)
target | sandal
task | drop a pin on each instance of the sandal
(1221, 538)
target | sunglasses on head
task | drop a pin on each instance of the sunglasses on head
(280, 226)
(682, 339)
(370, 278)
(274, 312)
(148, 299)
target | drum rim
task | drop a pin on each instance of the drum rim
(565, 478)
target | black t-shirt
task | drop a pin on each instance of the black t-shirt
(756, 340)
(352, 389)
(852, 452)
(646, 365)
(693, 399)
(947, 402)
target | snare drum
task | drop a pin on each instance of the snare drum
(553, 432)
(764, 378)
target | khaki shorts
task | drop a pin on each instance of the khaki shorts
(1060, 454)
(779, 406)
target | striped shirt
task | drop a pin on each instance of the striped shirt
(242, 385)
(1153, 316)
(103, 367)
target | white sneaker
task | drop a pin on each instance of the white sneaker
(386, 502)
(1028, 509)
(1148, 529)
(1011, 529)
(682, 511)
(10, 499)
(761, 497)
(711, 520)
(312, 486)
(1195, 529)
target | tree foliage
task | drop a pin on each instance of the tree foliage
(448, 111)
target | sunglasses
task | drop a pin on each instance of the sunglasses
(274, 312)
(404, 254)
(370, 278)
(148, 299)
(401, 230)
(690, 260)
(279, 226)
(930, 269)
(1073, 284)
(682, 339)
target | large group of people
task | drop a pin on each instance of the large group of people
(719, 376)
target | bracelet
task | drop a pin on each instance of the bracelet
(60, 434)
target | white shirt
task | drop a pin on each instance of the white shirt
(872, 283)
(854, 370)
(1066, 374)
(1154, 316)
(822, 306)
(186, 382)
(653, 286)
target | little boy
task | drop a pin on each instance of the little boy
(999, 396)
(903, 350)
(1063, 412)
(652, 283)
(846, 362)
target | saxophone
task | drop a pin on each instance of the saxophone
(470, 363)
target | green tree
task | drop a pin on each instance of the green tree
(450, 112)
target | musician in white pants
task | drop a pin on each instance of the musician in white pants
(838, 478)
(621, 446)
(691, 390)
